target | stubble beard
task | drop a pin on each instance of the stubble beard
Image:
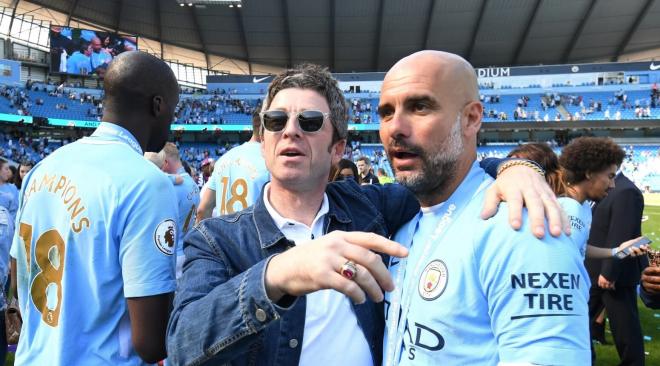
(438, 168)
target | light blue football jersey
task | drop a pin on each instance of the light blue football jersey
(485, 293)
(238, 177)
(9, 198)
(92, 230)
(579, 215)
(187, 194)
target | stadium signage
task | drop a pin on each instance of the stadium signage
(14, 118)
(493, 72)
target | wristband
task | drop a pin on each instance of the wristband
(524, 162)
(614, 251)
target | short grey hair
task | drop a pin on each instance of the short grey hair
(318, 79)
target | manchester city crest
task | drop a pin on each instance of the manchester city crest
(433, 281)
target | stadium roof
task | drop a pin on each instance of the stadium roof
(370, 35)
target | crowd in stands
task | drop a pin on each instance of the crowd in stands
(571, 107)
(224, 106)
(213, 110)
(361, 110)
(220, 106)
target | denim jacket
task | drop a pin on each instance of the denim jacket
(222, 314)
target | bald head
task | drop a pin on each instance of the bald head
(141, 93)
(133, 78)
(430, 116)
(450, 72)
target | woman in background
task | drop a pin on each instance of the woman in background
(345, 169)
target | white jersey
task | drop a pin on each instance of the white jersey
(238, 178)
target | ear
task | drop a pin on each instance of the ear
(338, 151)
(263, 151)
(157, 105)
(472, 114)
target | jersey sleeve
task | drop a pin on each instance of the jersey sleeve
(579, 228)
(537, 293)
(148, 237)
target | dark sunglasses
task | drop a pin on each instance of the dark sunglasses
(309, 120)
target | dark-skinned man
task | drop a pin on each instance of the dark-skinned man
(93, 253)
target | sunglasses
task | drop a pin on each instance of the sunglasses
(309, 120)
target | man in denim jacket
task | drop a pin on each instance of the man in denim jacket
(249, 277)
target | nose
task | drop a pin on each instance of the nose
(396, 127)
(292, 128)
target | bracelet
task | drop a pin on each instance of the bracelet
(523, 162)
(614, 251)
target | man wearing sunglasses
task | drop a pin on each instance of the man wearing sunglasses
(295, 279)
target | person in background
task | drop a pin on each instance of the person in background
(383, 178)
(187, 194)
(650, 284)
(345, 169)
(582, 175)
(23, 169)
(8, 191)
(6, 235)
(364, 168)
(238, 177)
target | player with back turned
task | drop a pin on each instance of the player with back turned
(93, 250)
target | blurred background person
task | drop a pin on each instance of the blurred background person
(23, 169)
(346, 169)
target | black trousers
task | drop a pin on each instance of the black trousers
(621, 306)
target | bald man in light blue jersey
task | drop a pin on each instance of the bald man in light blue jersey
(471, 292)
(238, 177)
(94, 244)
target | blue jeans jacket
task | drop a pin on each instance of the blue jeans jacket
(221, 311)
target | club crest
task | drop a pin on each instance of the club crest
(433, 281)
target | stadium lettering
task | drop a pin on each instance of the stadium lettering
(493, 72)
(567, 281)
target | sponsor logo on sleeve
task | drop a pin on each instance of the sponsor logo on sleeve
(165, 236)
(433, 281)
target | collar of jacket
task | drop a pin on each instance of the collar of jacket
(270, 235)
